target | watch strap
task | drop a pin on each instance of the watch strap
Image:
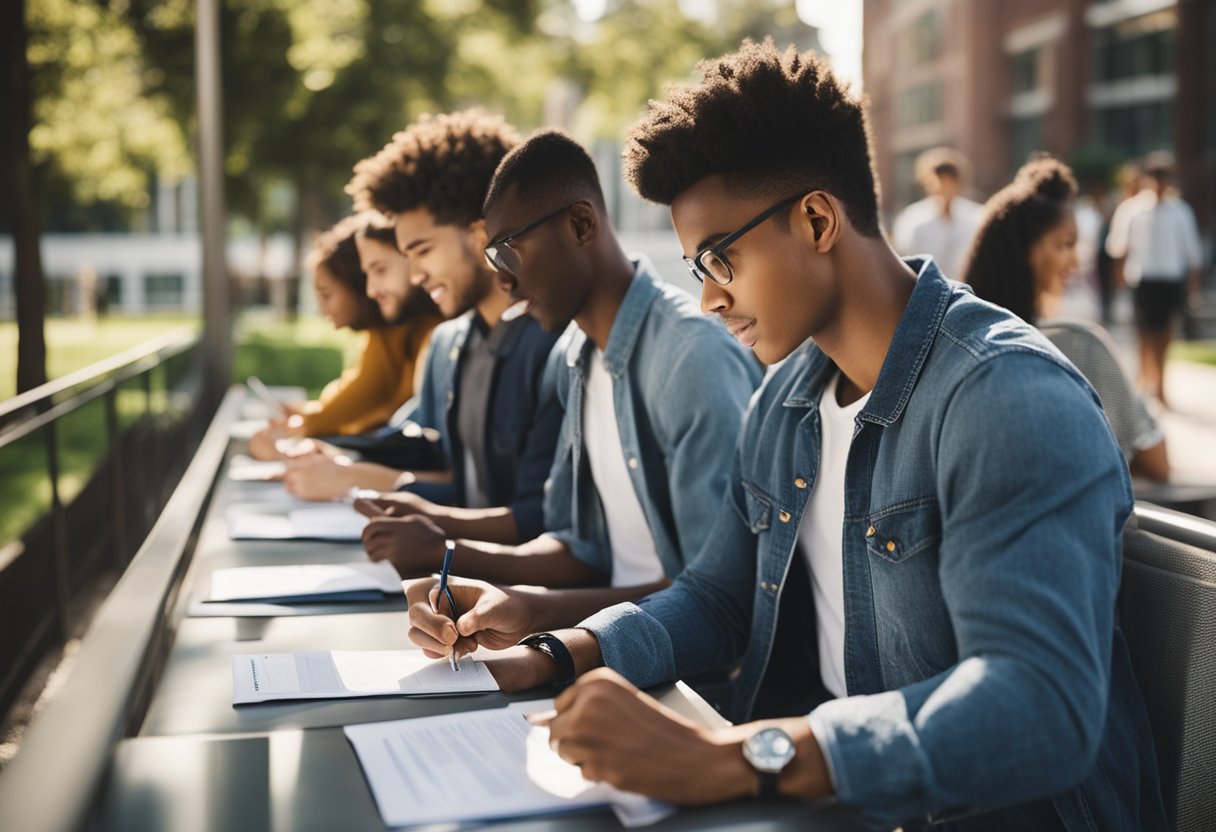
(553, 647)
(768, 784)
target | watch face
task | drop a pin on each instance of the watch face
(769, 750)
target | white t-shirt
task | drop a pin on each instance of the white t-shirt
(634, 558)
(1159, 238)
(821, 533)
(921, 228)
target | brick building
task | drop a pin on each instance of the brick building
(998, 79)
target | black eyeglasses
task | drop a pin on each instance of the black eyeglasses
(712, 262)
(499, 253)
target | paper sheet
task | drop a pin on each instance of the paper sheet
(305, 582)
(242, 468)
(324, 521)
(482, 765)
(343, 674)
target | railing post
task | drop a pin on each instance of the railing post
(118, 540)
(59, 537)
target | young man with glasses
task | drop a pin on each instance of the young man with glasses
(485, 389)
(915, 564)
(653, 391)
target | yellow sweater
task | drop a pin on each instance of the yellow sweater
(382, 380)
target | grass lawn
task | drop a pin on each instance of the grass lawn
(1203, 352)
(307, 353)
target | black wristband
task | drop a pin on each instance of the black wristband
(553, 647)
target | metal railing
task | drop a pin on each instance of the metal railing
(87, 463)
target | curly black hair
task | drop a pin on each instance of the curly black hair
(770, 122)
(548, 169)
(442, 163)
(1014, 219)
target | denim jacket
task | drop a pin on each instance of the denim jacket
(984, 503)
(521, 427)
(680, 385)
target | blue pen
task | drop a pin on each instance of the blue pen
(444, 592)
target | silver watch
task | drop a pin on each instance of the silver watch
(769, 751)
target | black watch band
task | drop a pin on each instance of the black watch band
(553, 647)
(768, 785)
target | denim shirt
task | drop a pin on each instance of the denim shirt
(984, 504)
(521, 426)
(680, 385)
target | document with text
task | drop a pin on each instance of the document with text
(476, 766)
(305, 582)
(344, 674)
(324, 521)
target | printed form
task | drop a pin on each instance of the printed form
(343, 674)
(480, 765)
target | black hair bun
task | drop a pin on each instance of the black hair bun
(1048, 178)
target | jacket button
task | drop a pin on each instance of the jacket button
(633, 463)
(870, 532)
(800, 483)
(890, 545)
(784, 516)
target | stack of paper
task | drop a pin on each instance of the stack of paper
(242, 468)
(484, 765)
(344, 674)
(303, 583)
(324, 521)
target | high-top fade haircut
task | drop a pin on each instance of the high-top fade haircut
(335, 249)
(769, 122)
(548, 170)
(442, 163)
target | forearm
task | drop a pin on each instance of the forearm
(544, 561)
(552, 609)
(1152, 463)
(490, 525)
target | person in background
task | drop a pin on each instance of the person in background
(1024, 252)
(1156, 237)
(943, 223)
(391, 356)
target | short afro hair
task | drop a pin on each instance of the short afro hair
(769, 122)
(335, 249)
(548, 169)
(442, 163)
(998, 268)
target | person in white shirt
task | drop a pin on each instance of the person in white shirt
(1156, 237)
(944, 222)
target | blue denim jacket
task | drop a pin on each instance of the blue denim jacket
(984, 503)
(521, 427)
(680, 385)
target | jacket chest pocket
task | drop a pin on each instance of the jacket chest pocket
(902, 531)
(758, 507)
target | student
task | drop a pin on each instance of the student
(484, 390)
(1156, 241)
(945, 479)
(1024, 253)
(653, 394)
(383, 378)
(943, 223)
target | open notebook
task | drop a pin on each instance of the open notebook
(305, 583)
(270, 521)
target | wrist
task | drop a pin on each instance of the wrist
(732, 776)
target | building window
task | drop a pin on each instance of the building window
(164, 291)
(1135, 129)
(1025, 71)
(1143, 46)
(1026, 137)
(921, 41)
(919, 105)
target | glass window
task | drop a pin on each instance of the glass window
(1025, 69)
(1026, 138)
(919, 105)
(164, 291)
(1136, 129)
(1135, 48)
(921, 42)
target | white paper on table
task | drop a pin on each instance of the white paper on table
(325, 521)
(343, 674)
(246, 428)
(482, 765)
(242, 468)
(304, 582)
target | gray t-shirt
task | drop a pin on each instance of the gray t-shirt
(1089, 348)
(482, 349)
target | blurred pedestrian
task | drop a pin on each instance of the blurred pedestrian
(944, 222)
(1024, 252)
(1155, 236)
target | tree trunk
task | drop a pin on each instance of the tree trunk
(19, 195)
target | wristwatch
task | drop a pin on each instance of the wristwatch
(769, 750)
(553, 647)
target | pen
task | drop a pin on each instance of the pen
(260, 390)
(444, 592)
